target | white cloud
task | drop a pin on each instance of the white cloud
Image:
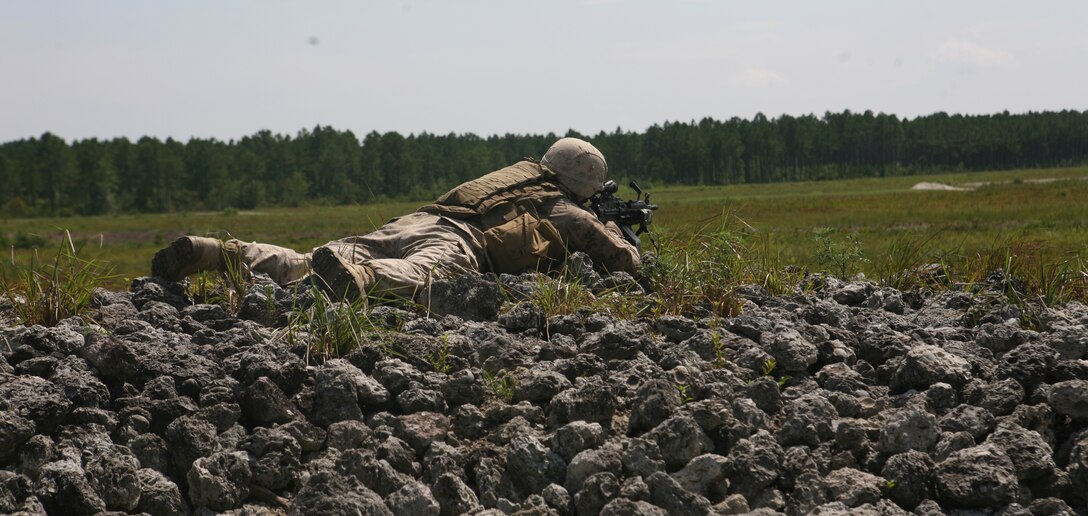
(965, 52)
(758, 77)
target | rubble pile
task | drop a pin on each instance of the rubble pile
(843, 398)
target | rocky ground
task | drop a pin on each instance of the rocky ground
(842, 398)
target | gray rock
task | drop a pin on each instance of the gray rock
(589, 400)
(925, 365)
(982, 476)
(675, 328)
(680, 439)
(754, 464)
(654, 401)
(275, 458)
(808, 420)
(309, 437)
(36, 400)
(420, 429)
(732, 504)
(377, 475)
(853, 487)
(63, 339)
(1028, 364)
(263, 403)
(642, 456)
(63, 489)
(665, 492)
(588, 463)
(348, 434)
(635, 488)
(1000, 337)
(341, 390)
(576, 436)
(841, 377)
(1000, 397)
(1078, 466)
(765, 392)
(1070, 398)
(1050, 506)
(159, 495)
(112, 472)
(469, 296)
(75, 377)
(911, 473)
(161, 315)
(974, 420)
(531, 466)
(219, 482)
(440, 459)
(14, 431)
(597, 491)
(468, 422)
(624, 506)
(148, 289)
(703, 473)
(952, 442)
(537, 386)
(399, 455)
(418, 399)
(792, 352)
(327, 492)
(523, 316)
(1070, 343)
(453, 496)
(189, 438)
(556, 497)
(1031, 456)
(494, 488)
(465, 387)
(413, 499)
(852, 294)
(621, 341)
(908, 429)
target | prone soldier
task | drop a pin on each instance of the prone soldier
(528, 215)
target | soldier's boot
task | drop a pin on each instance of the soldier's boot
(341, 279)
(191, 254)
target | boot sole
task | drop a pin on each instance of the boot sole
(333, 275)
(168, 262)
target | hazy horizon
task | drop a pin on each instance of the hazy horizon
(209, 70)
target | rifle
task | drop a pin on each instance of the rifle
(625, 214)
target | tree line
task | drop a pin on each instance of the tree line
(48, 176)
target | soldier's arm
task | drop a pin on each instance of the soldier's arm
(604, 243)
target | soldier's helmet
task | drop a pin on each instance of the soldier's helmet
(578, 164)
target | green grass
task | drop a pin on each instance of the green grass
(883, 212)
(709, 238)
(46, 292)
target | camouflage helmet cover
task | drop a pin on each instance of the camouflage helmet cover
(578, 164)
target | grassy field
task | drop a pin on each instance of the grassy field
(1035, 216)
(1043, 209)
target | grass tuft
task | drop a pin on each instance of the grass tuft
(502, 387)
(48, 292)
(330, 329)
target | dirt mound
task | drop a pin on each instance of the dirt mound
(937, 187)
(846, 398)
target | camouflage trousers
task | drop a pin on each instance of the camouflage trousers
(405, 254)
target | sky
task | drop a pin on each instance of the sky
(226, 69)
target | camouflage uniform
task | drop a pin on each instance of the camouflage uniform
(408, 251)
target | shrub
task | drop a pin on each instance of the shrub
(839, 256)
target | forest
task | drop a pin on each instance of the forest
(49, 176)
